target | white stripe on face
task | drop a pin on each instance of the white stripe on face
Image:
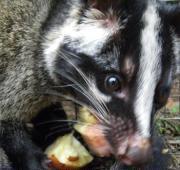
(149, 69)
(55, 38)
(91, 34)
(87, 37)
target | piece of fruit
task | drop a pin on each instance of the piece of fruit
(92, 133)
(68, 153)
(95, 139)
(86, 117)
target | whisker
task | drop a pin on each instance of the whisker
(90, 99)
(88, 83)
(56, 121)
(63, 86)
(69, 98)
(89, 96)
(60, 126)
(70, 53)
(82, 123)
(57, 131)
(92, 110)
(81, 73)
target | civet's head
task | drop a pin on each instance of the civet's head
(117, 58)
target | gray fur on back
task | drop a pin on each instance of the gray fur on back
(20, 82)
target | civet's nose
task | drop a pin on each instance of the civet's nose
(138, 151)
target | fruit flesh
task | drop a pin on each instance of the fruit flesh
(92, 133)
(67, 151)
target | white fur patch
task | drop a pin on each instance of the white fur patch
(88, 37)
(176, 49)
(91, 35)
(55, 37)
(93, 89)
(150, 69)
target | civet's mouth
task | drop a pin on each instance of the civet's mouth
(119, 140)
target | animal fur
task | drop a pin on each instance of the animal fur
(37, 36)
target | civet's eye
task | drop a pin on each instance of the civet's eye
(112, 83)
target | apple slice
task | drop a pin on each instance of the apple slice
(92, 133)
(68, 153)
(86, 117)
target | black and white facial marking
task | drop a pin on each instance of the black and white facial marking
(117, 57)
(84, 29)
(149, 68)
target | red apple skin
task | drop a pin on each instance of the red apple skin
(58, 165)
(96, 141)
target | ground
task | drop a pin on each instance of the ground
(168, 124)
